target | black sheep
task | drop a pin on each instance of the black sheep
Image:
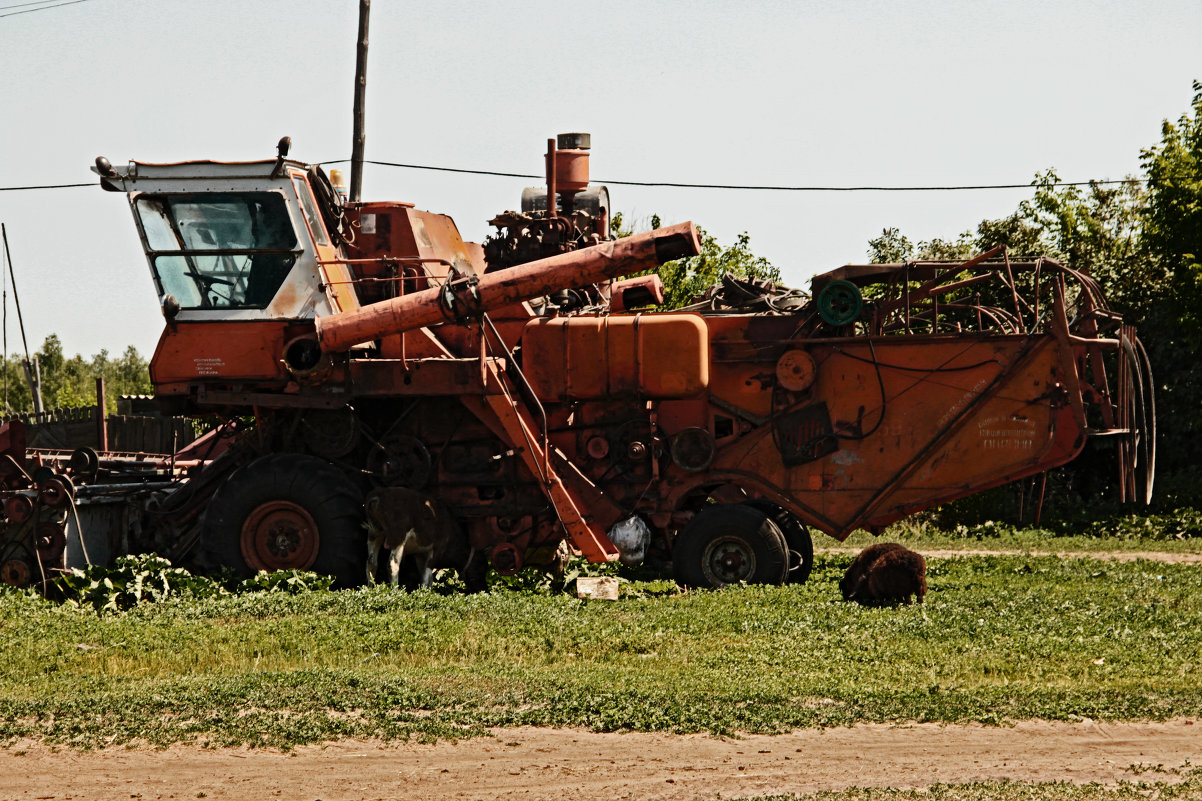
(885, 573)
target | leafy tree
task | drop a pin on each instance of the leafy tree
(891, 247)
(962, 248)
(894, 247)
(71, 381)
(686, 279)
(1171, 293)
(1096, 231)
(1173, 220)
(1024, 238)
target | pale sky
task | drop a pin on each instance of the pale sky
(782, 93)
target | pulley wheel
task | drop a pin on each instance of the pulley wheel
(840, 302)
(629, 443)
(400, 461)
(331, 433)
(84, 462)
(50, 541)
(795, 370)
(55, 491)
(597, 447)
(41, 474)
(18, 508)
(506, 559)
(693, 449)
(16, 573)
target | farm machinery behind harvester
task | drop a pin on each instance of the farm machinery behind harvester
(524, 394)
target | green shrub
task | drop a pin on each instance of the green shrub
(149, 578)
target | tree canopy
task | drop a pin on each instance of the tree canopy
(686, 279)
(70, 381)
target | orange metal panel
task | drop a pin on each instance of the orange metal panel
(586, 358)
(227, 351)
(916, 422)
(437, 236)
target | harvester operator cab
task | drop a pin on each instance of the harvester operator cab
(233, 241)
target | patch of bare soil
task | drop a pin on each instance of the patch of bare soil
(558, 764)
(1113, 556)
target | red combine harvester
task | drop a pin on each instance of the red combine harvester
(396, 399)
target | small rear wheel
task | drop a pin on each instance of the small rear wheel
(287, 511)
(730, 544)
(797, 538)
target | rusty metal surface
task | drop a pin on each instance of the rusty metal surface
(226, 350)
(586, 358)
(494, 290)
(420, 377)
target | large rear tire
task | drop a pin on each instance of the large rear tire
(730, 544)
(288, 511)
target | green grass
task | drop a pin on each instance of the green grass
(1000, 638)
(1178, 532)
(1188, 789)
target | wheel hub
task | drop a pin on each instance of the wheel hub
(728, 560)
(16, 573)
(280, 535)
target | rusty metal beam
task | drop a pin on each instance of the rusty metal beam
(341, 332)
(420, 377)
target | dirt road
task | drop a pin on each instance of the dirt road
(558, 764)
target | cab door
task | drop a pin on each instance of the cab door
(335, 274)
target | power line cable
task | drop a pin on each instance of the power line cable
(23, 5)
(753, 187)
(45, 186)
(43, 8)
(676, 185)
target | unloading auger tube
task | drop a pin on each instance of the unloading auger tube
(465, 296)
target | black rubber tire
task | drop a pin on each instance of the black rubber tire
(319, 488)
(752, 543)
(797, 538)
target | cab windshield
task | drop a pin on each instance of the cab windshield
(219, 250)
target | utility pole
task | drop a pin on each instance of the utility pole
(33, 372)
(359, 136)
(4, 323)
(102, 416)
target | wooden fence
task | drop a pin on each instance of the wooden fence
(143, 432)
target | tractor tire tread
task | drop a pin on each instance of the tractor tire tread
(753, 525)
(321, 488)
